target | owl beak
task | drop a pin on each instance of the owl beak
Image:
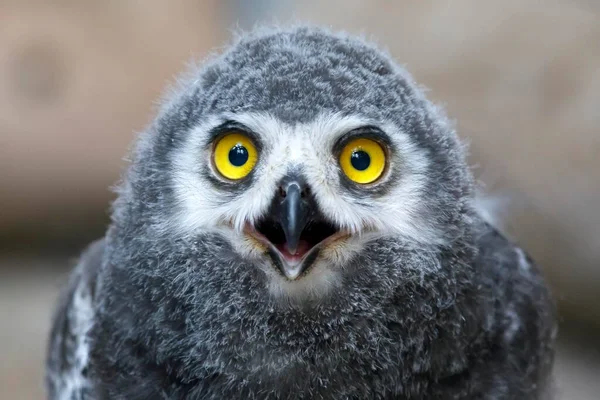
(294, 229)
(293, 215)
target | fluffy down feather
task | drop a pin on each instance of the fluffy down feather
(453, 311)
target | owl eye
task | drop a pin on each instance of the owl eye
(235, 156)
(362, 160)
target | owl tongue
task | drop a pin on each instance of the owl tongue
(301, 250)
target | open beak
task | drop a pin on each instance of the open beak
(294, 228)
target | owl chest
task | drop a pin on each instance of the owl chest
(313, 368)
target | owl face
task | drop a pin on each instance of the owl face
(300, 199)
(301, 149)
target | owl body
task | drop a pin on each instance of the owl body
(299, 223)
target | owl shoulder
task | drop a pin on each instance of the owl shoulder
(68, 347)
(524, 312)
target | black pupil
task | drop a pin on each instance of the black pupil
(360, 160)
(238, 155)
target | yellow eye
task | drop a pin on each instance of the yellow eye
(235, 155)
(363, 160)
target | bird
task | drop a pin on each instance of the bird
(300, 222)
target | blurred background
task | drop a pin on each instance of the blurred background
(78, 78)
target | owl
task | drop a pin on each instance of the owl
(300, 222)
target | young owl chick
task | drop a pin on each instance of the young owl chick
(299, 223)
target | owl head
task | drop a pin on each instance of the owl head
(296, 152)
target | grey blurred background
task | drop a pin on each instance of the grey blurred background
(79, 78)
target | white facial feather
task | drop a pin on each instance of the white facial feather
(308, 147)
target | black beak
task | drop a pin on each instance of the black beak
(294, 227)
(293, 214)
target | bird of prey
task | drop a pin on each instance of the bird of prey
(300, 222)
